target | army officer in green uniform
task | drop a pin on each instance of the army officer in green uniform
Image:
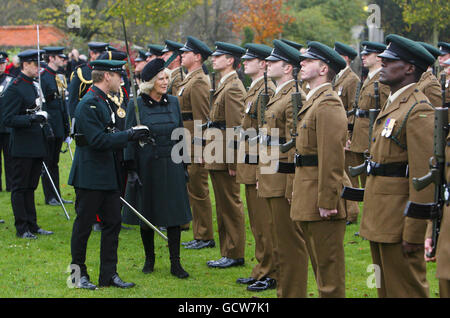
(21, 111)
(81, 78)
(52, 87)
(94, 174)
(159, 179)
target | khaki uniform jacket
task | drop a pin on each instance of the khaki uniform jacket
(360, 137)
(346, 86)
(429, 85)
(411, 141)
(322, 131)
(193, 96)
(278, 115)
(246, 173)
(176, 77)
(228, 106)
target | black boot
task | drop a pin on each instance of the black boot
(148, 240)
(173, 235)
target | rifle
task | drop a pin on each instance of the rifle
(264, 100)
(354, 111)
(433, 211)
(357, 194)
(296, 106)
(443, 82)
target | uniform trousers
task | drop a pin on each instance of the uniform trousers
(400, 276)
(198, 190)
(444, 288)
(325, 243)
(262, 228)
(54, 146)
(87, 204)
(230, 215)
(291, 255)
(25, 179)
(4, 147)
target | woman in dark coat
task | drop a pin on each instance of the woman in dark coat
(159, 181)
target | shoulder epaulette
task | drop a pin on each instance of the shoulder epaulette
(82, 79)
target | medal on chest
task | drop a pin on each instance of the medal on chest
(388, 127)
(340, 90)
(118, 101)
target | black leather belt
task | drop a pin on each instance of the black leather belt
(397, 169)
(306, 161)
(362, 113)
(187, 116)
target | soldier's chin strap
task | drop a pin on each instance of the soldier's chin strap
(171, 59)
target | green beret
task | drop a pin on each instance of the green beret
(228, 48)
(284, 52)
(296, 45)
(444, 47)
(434, 51)
(320, 51)
(156, 49)
(401, 48)
(372, 47)
(256, 51)
(198, 47)
(107, 65)
(346, 50)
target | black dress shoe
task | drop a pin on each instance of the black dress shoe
(84, 283)
(212, 263)
(264, 284)
(246, 281)
(53, 202)
(115, 281)
(27, 235)
(2, 221)
(226, 262)
(201, 244)
(43, 232)
(189, 243)
(67, 201)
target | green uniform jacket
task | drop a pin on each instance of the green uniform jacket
(81, 80)
(54, 105)
(27, 138)
(94, 166)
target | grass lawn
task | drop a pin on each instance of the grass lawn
(37, 268)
